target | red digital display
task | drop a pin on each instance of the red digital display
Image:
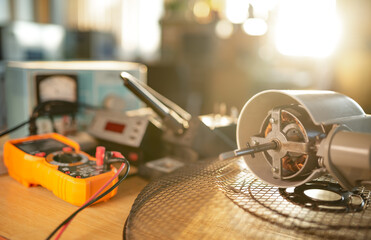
(114, 127)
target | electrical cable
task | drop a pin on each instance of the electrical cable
(92, 201)
(39, 111)
(94, 196)
(53, 123)
(15, 128)
(88, 203)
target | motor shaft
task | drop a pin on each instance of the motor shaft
(249, 150)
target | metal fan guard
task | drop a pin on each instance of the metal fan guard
(216, 199)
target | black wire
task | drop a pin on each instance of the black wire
(114, 160)
(53, 123)
(15, 128)
(93, 200)
(36, 114)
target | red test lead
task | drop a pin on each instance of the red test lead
(99, 155)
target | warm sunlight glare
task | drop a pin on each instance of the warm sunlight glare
(307, 28)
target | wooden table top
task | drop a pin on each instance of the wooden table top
(33, 213)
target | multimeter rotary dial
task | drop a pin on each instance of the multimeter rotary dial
(62, 158)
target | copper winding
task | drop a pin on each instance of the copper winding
(290, 163)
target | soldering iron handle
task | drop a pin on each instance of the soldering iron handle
(170, 118)
(144, 95)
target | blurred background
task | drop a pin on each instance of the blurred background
(206, 55)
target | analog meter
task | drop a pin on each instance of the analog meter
(56, 87)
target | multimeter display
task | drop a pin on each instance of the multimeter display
(56, 163)
(47, 145)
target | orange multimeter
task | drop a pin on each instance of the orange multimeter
(56, 163)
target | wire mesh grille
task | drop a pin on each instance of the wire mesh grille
(222, 200)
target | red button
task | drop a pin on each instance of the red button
(133, 156)
(68, 172)
(78, 176)
(40, 154)
(67, 149)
